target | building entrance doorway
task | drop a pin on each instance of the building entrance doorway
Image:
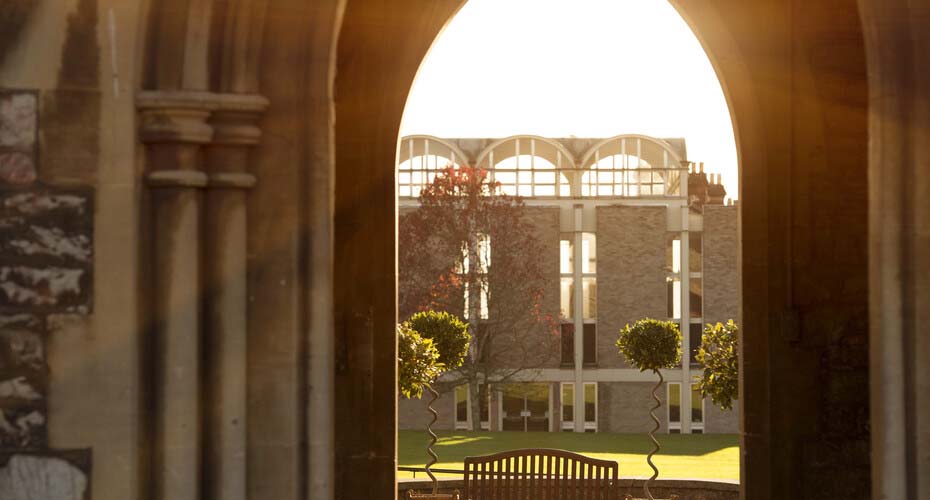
(525, 407)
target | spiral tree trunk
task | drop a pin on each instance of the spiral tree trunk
(435, 495)
(433, 438)
(652, 436)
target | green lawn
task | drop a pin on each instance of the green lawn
(707, 456)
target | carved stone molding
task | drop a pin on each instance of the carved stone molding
(235, 119)
(176, 178)
(175, 117)
(230, 180)
(235, 122)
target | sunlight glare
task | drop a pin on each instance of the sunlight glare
(584, 68)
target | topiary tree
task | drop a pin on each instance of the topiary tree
(650, 344)
(448, 333)
(719, 354)
(418, 362)
(450, 337)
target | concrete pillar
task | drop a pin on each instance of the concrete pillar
(225, 329)
(173, 129)
(685, 271)
(578, 277)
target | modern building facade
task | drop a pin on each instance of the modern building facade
(624, 238)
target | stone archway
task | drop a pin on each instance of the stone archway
(801, 317)
(318, 239)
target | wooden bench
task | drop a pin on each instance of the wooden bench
(540, 474)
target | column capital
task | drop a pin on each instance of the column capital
(175, 116)
(235, 118)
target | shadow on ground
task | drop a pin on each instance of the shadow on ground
(457, 445)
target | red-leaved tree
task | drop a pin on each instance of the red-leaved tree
(473, 251)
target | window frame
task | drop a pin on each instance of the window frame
(670, 425)
(466, 425)
(569, 425)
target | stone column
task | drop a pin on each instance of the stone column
(225, 227)
(173, 129)
(896, 44)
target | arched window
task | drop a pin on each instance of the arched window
(528, 166)
(420, 158)
(631, 166)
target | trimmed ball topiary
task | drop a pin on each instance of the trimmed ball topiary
(418, 362)
(650, 344)
(448, 333)
(719, 354)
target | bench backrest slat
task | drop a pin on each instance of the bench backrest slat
(540, 474)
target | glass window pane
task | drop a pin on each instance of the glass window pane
(461, 403)
(590, 402)
(484, 302)
(568, 402)
(566, 255)
(590, 298)
(588, 253)
(568, 344)
(697, 406)
(674, 297)
(590, 344)
(484, 253)
(695, 242)
(669, 252)
(696, 330)
(545, 177)
(485, 398)
(567, 299)
(525, 190)
(696, 298)
(674, 403)
(505, 177)
(525, 177)
(670, 297)
(545, 190)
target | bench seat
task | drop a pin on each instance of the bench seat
(540, 474)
